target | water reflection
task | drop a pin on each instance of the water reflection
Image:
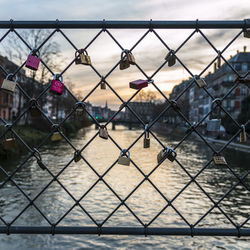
(146, 201)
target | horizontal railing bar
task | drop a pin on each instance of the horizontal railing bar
(229, 24)
(126, 231)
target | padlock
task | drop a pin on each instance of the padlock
(175, 105)
(124, 64)
(7, 85)
(103, 84)
(56, 136)
(138, 84)
(103, 132)
(166, 153)
(214, 122)
(146, 141)
(130, 57)
(9, 143)
(34, 111)
(77, 156)
(200, 82)
(170, 58)
(219, 159)
(123, 159)
(246, 33)
(82, 57)
(243, 134)
(80, 109)
(39, 159)
(57, 85)
(33, 60)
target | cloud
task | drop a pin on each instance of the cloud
(196, 54)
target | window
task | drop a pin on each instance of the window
(244, 66)
(237, 66)
(230, 78)
(243, 91)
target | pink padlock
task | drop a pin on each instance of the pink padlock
(33, 60)
(57, 85)
(138, 84)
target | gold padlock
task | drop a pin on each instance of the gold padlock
(82, 57)
(123, 159)
(103, 132)
(7, 85)
(103, 84)
(200, 82)
(56, 136)
(166, 153)
(243, 134)
(9, 143)
(77, 156)
(130, 57)
(219, 159)
(124, 64)
(170, 58)
(34, 111)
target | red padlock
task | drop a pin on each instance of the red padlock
(33, 60)
(138, 84)
(57, 85)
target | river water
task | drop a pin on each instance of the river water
(146, 202)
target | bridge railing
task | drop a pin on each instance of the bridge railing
(151, 26)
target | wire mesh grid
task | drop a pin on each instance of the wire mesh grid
(142, 228)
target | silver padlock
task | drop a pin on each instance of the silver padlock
(219, 159)
(214, 122)
(123, 159)
(200, 82)
(8, 85)
(146, 142)
(103, 132)
(166, 153)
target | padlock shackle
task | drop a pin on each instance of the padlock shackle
(126, 52)
(146, 131)
(216, 101)
(82, 104)
(243, 128)
(123, 152)
(33, 53)
(56, 77)
(80, 51)
(37, 154)
(9, 75)
(170, 151)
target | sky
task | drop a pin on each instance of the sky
(149, 54)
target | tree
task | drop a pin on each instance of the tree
(146, 96)
(17, 51)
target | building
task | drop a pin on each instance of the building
(219, 84)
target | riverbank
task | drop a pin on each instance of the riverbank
(34, 137)
(180, 132)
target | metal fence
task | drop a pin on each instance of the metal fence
(144, 229)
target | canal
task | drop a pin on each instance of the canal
(145, 202)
